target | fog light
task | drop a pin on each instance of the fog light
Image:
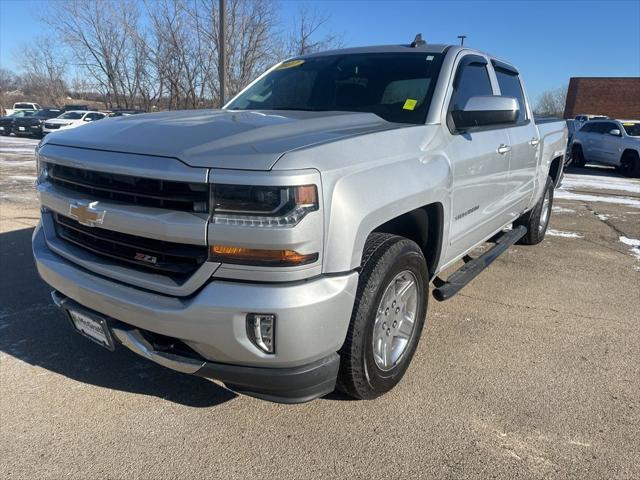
(261, 330)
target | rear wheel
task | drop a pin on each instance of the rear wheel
(578, 156)
(630, 164)
(387, 318)
(537, 220)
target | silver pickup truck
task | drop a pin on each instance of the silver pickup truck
(285, 244)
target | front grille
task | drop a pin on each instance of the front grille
(176, 260)
(52, 126)
(148, 192)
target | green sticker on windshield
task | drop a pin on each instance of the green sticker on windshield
(290, 64)
(410, 104)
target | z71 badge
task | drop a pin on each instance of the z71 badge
(143, 257)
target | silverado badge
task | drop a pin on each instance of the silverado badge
(86, 213)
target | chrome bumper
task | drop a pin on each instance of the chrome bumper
(312, 316)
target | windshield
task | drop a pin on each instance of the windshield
(22, 113)
(72, 115)
(28, 106)
(397, 87)
(632, 128)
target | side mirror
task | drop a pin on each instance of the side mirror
(615, 132)
(486, 111)
(87, 119)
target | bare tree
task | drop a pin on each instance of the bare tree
(44, 69)
(307, 34)
(251, 40)
(552, 102)
(94, 32)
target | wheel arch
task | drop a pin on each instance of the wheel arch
(556, 169)
(425, 226)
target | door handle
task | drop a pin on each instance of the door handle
(534, 142)
(502, 149)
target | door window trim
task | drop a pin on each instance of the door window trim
(465, 61)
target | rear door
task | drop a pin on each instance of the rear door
(480, 163)
(523, 139)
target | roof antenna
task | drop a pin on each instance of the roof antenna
(418, 42)
(462, 37)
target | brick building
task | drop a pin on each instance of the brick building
(616, 97)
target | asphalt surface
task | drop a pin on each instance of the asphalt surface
(532, 371)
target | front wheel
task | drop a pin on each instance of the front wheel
(387, 319)
(537, 220)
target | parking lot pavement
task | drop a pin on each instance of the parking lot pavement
(532, 371)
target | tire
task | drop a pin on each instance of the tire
(389, 263)
(578, 157)
(630, 165)
(536, 220)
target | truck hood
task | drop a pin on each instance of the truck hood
(247, 140)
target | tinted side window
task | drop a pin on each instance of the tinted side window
(471, 81)
(510, 86)
(600, 127)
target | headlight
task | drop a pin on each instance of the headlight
(262, 206)
(42, 172)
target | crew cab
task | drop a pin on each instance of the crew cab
(71, 119)
(285, 244)
(609, 142)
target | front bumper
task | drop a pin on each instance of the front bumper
(312, 321)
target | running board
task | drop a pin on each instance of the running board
(473, 266)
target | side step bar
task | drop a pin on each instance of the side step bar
(473, 266)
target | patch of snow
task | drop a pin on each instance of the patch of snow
(634, 244)
(560, 233)
(17, 150)
(590, 182)
(603, 217)
(582, 197)
(562, 210)
(17, 163)
(23, 178)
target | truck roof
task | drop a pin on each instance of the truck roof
(428, 48)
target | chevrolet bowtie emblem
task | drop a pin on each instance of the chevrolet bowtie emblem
(86, 213)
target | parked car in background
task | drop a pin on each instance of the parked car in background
(585, 117)
(70, 106)
(572, 127)
(6, 122)
(22, 106)
(72, 119)
(610, 142)
(285, 244)
(31, 125)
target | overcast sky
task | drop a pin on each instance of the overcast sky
(549, 41)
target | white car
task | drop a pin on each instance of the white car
(22, 106)
(610, 142)
(71, 119)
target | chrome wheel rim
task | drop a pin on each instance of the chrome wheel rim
(395, 320)
(544, 215)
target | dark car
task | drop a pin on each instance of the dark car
(73, 106)
(7, 122)
(32, 125)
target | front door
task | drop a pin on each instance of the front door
(480, 163)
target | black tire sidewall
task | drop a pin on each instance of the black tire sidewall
(382, 381)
